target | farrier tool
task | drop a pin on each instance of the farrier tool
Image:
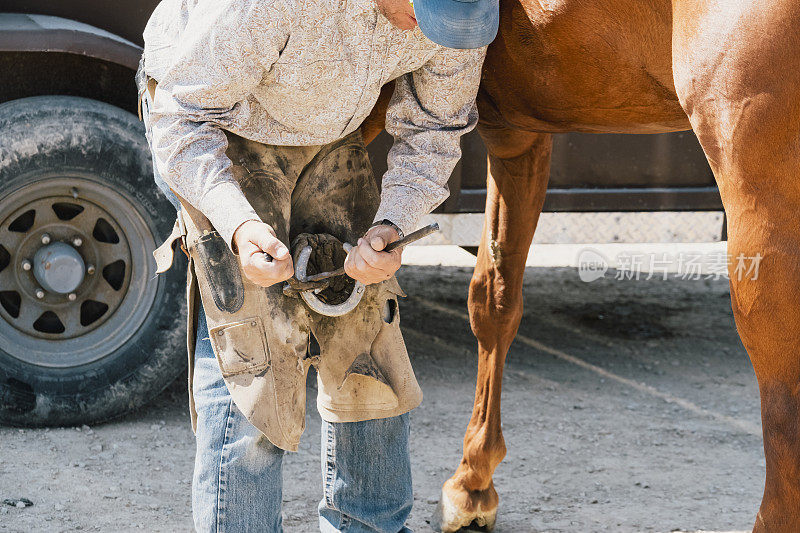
(408, 239)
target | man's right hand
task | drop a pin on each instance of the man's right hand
(253, 239)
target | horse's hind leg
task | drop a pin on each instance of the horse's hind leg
(519, 164)
(737, 74)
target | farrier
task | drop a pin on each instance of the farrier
(253, 109)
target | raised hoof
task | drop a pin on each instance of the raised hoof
(448, 518)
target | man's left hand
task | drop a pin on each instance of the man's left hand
(367, 263)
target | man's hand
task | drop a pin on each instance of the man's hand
(253, 239)
(367, 263)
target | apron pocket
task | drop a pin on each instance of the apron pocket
(241, 347)
(221, 269)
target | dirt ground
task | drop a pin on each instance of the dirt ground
(628, 406)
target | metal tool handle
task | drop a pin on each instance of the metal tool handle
(414, 236)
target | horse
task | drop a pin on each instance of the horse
(727, 69)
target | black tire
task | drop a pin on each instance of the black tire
(58, 136)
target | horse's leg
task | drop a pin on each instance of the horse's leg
(376, 120)
(737, 73)
(519, 165)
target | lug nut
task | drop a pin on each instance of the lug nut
(90, 269)
(39, 293)
(72, 296)
(26, 265)
(77, 241)
(45, 238)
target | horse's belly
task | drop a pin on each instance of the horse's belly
(566, 65)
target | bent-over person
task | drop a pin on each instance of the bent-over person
(252, 109)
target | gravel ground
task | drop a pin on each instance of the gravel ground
(628, 406)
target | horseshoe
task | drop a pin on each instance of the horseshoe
(313, 301)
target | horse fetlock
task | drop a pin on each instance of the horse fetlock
(483, 451)
(780, 403)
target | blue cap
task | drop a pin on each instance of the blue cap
(458, 23)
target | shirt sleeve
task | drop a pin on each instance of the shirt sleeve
(217, 63)
(430, 110)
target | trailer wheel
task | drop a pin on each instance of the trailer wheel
(87, 331)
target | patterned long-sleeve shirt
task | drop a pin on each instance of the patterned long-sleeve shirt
(290, 72)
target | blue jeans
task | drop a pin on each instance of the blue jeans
(237, 485)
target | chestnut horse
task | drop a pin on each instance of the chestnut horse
(729, 70)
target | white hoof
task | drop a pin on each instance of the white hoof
(449, 519)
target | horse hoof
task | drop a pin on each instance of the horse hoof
(448, 518)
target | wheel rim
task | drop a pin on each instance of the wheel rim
(50, 313)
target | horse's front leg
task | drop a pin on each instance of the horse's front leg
(519, 166)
